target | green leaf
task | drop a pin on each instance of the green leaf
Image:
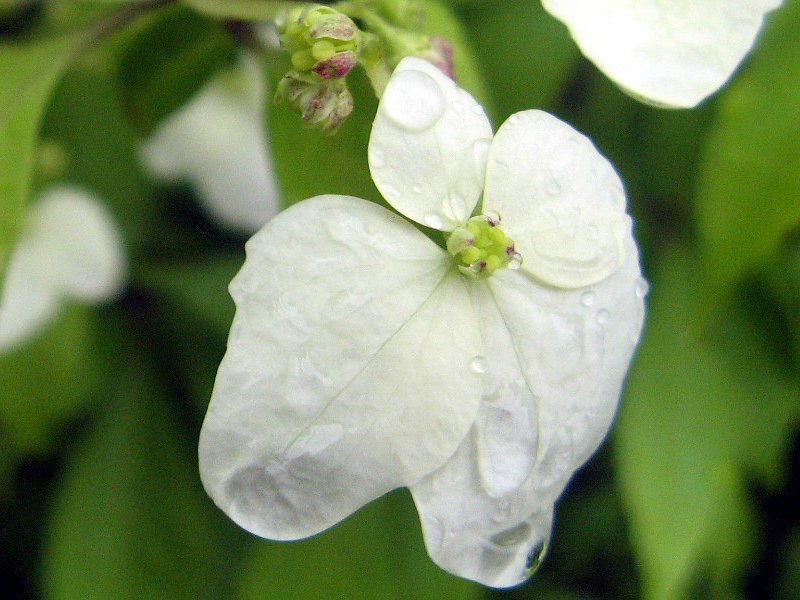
(375, 554)
(46, 381)
(28, 73)
(748, 196)
(527, 56)
(245, 10)
(130, 519)
(168, 61)
(704, 406)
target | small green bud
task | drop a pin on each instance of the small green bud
(320, 40)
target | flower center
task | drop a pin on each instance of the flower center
(480, 247)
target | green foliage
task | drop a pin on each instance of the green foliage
(28, 74)
(376, 554)
(748, 197)
(168, 61)
(705, 407)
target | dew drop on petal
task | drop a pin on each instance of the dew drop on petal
(480, 150)
(553, 187)
(535, 558)
(515, 262)
(476, 108)
(433, 220)
(642, 287)
(478, 365)
(417, 189)
(513, 536)
(587, 298)
(602, 316)
(413, 101)
(454, 207)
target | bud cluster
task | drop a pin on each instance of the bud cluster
(481, 247)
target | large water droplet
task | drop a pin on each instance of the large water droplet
(515, 262)
(433, 220)
(513, 536)
(642, 287)
(413, 101)
(602, 316)
(588, 298)
(478, 365)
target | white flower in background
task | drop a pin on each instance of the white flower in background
(70, 249)
(217, 143)
(364, 357)
(672, 54)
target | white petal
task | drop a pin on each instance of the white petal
(427, 150)
(557, 360)
(27, 302)
(498, 542)
(347, 372)
(75, 245)
(217, 142)
(561, 201)
(672, 54)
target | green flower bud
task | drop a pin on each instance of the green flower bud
(320, 40)
(323, 103)
(481, 247)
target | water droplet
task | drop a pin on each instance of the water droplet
(413, 101)
(515, 262)
(480, 150)
(513, 119)
(602, 316)
(433, 220)
(553, 187)
(476, 108)
(512, 537)
(478, 365)
(642, 287)
(535, 558)
(376, 157)
(588, 298)
(417, 189)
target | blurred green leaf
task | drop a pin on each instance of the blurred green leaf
(703, 407)
(168, 61)
(527, 55)
(130, 519)
(245, 10)
(748, 195)
(45, 381)
(28, 74)
(789, 581)
(376, 554)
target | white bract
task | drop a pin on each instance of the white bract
(70, 248)
(672, 54)
(364, 357)
(217, 143)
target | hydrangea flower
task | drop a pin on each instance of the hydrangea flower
(217, 143)
(365, 357)
(672, 54)
(70, 248)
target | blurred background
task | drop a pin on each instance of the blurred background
(695, 494)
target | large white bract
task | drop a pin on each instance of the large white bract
(69, 249)
(217, 143)
(361, 359)
(672, 54)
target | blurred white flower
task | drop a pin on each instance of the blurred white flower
(672, 54)
(217, 143)
(363, 357)
(70, 248)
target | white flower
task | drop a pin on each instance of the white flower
(217, 143)
(364, 357)
(672, 54)
(69, 249)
